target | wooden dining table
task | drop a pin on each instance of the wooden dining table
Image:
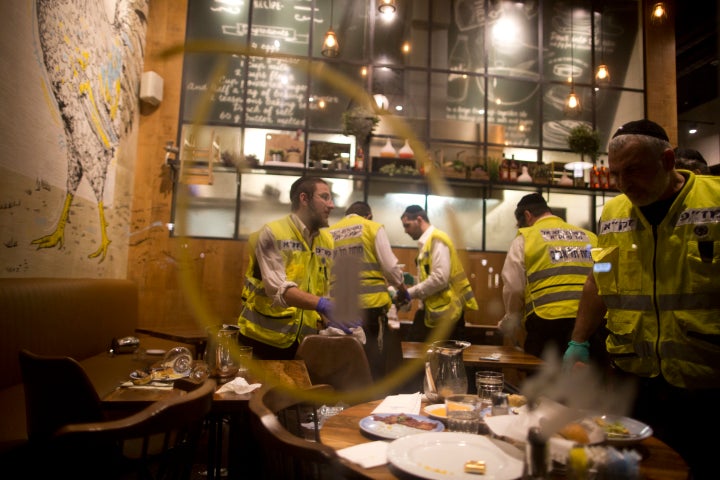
(659, 461)
(228, 408)
(480, 356)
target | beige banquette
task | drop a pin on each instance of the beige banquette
(60, 316)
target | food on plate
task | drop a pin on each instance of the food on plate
(516, 400)
(475, 466)
(403, 419)
(575, 432)
(140, 377)
(436, 410)
(612, 428)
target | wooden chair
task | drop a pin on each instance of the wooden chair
(196, 163)
(286, 455)
(336, 360)
(70, 432)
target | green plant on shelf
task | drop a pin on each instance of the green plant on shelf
(493, 168)
(393, 169)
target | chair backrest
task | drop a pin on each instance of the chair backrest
(159, 441)
(286, 455)
(337, 360)
(57, 392)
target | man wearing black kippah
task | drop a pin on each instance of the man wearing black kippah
(543, 276)
(657, 276)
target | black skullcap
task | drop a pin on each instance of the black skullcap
(532, 199)
(642, 127)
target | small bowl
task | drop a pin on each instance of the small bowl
(138, 377)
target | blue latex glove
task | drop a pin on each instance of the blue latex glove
(325, 307)
(402, 297)
(577, 352)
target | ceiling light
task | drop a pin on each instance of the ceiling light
(330, 46)
(659, 13)
(602, 76)
(387, 6)
(572, 103)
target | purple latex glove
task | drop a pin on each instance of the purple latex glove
(325, 307)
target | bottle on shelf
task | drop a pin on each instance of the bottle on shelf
(524, 177)
(405, 151)
(604, 176)
(388, 150)
(594, 176)
(504, 169)
(360, 160)
(514, 167)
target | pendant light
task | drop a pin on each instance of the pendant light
(572, 103)
(330, 46)
(602, 76)
(387, 6)
(659, 13)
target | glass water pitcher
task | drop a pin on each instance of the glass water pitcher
(445, 370)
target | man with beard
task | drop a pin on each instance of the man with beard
(288, 274)
(657, 277)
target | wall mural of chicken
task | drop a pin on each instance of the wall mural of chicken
(93, 68)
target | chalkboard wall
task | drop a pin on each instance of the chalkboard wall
(276, 88)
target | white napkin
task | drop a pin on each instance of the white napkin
(367, 455)
(238, 385)
(148, 386)
(402, 403)
(516, 427)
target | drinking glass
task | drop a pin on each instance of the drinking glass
(463, 413)
(179, 359)
(200, 371)
(487, 383)
(244, 357)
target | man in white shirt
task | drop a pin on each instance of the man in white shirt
(443, 287)
(543, 276)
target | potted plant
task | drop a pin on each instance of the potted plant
(585, 141)
(276, 155)
(541, 173)
(293, 155)
(360, 122)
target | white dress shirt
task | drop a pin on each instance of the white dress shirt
(439, 277)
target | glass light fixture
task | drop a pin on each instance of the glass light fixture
(387, 6)
(330, 46)
(602, 76)
(572, 102)
(659, 13)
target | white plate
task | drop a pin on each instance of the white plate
(155, 351)
(394, 430)
(443, 455)
(637, 431)
(436, 411)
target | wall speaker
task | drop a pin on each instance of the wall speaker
(151, 88)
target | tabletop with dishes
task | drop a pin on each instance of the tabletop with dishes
(405, 436)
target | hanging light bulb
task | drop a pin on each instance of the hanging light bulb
(330, 46)
(602, 76)
(387, 6)
(572, 103)
(659, 13)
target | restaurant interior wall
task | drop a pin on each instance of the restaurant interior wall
(208, 287)
(467, 93)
